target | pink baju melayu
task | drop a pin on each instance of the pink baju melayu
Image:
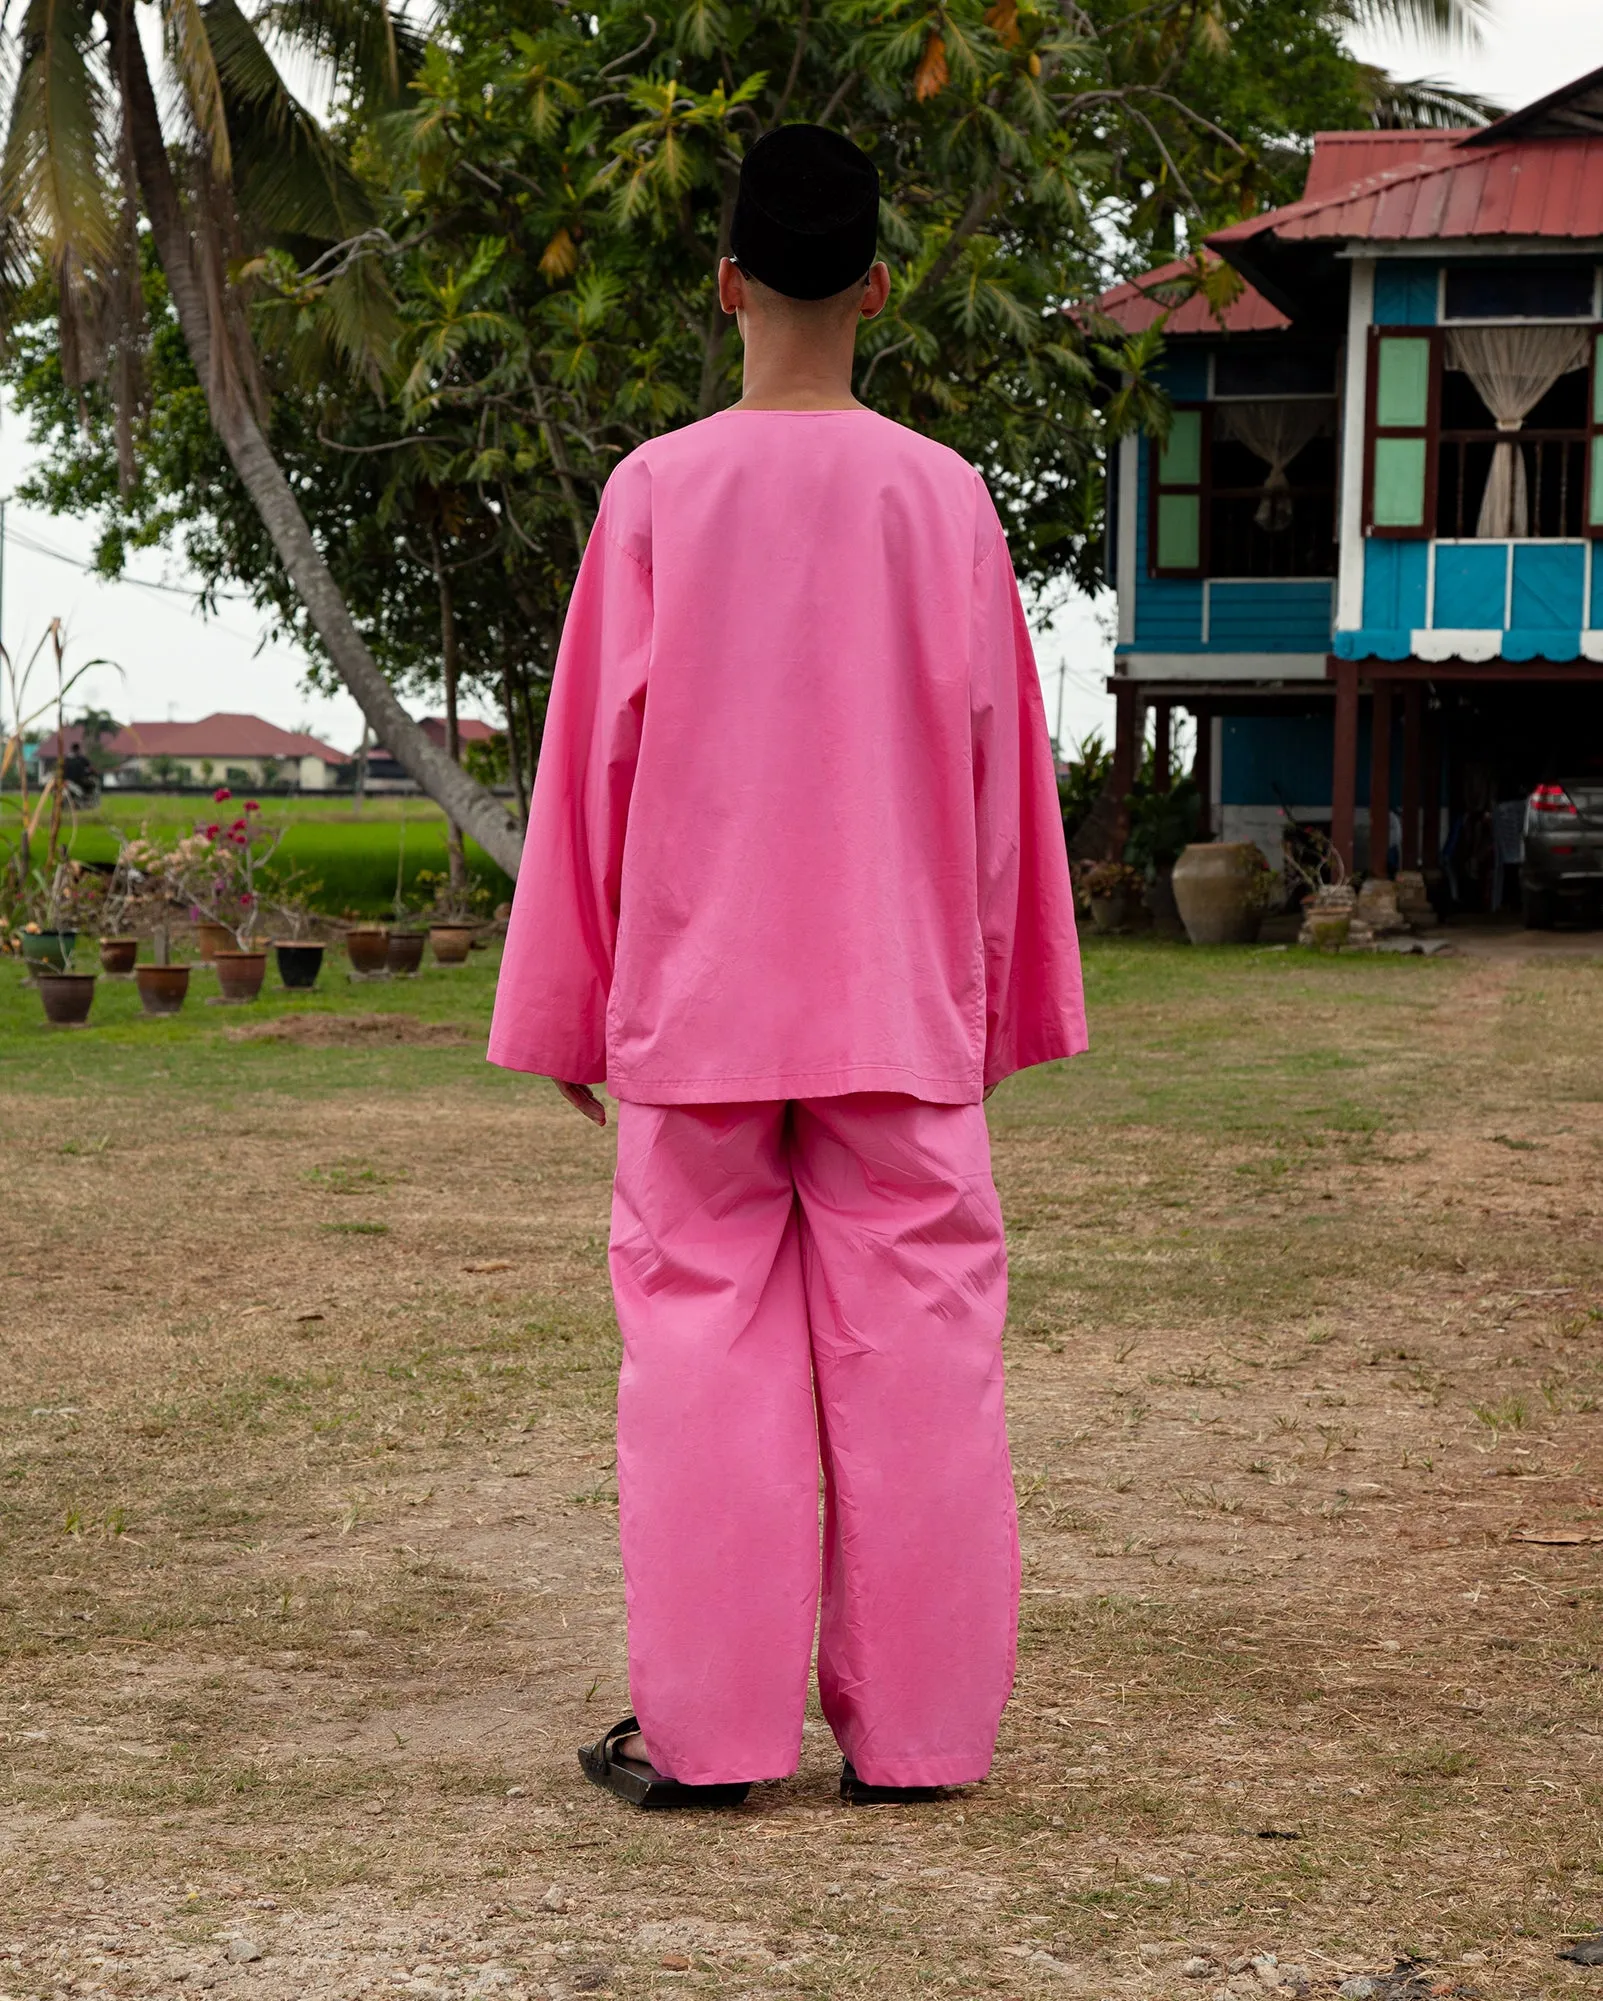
(795, 886)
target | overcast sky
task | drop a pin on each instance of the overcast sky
(176, 664)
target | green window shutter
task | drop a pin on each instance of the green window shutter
(1179, 531)
(1595, 513)
(1597, 381)
(1402, 387)
(1180, 463)
(1399, 483)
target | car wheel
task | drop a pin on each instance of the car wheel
(1536, 906)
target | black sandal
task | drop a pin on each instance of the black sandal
(858, 1792)
(632, 1779)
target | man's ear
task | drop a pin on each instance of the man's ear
(878, 290)
(731, 286)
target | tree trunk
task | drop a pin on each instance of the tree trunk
(466, 804)
(456, 861)
(514, 753)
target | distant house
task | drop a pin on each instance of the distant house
(385, 773)
(219, 750)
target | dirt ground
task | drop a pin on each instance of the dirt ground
(308, 1577)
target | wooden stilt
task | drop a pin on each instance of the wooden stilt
(1380, 778)
(1430, 790)
(1162, 744)
(1126, 723)
(1202, 772)
(1344, 761)
(1413, 706)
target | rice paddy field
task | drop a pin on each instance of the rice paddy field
(352, 856)
(308, 1573)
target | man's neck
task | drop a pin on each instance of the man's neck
(787, 375)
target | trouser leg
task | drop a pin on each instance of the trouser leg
(717, 1439)
(906, 1275)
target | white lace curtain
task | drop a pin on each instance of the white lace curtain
(1275, 432)
(1512, 369)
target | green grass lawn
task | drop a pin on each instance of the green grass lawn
(353, 855)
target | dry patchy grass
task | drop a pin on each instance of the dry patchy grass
(310, 1581)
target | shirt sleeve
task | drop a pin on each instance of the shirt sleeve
(1034, 1000)
(556, 972)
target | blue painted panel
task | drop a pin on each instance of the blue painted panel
(1259, 753)
(1405, 293)
(1270, 617)
(1597, 582)
(1184, 373)
(1168, 610)
(1374, 642)
(1549, 587)
(1533, 643)
(1394, 585)
(1470, 585)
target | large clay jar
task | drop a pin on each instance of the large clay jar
(404, 954)
(1216, 886)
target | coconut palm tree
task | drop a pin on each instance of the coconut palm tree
(245, 168)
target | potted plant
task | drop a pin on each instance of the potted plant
(1114, 891)
(1162, 825)
(159, 884)
(1224, 889)
(453, 915)
(65, 993)
(1329, 898)
(222, 880)
(368, 943)
(299, 955)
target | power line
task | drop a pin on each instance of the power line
(38, 548)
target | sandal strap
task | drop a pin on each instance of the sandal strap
(626, 1727)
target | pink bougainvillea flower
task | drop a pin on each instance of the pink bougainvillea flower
(222, 793)
(214, 830)
(253, 806)
(241, 822)
(239, 840)
(246, 899)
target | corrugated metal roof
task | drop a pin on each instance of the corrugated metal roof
(221, 735)
(1525, 187)
(1136, 304)
(1342, 159)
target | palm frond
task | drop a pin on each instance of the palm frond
(189, 50)
(54, 174)
(1425, 103)
(289, 181)
(363, 41)
(1449, 24)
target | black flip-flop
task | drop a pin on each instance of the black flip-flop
(858, 1792)
(639, 1783)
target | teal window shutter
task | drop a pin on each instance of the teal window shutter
(1179, 479)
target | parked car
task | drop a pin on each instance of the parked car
(1561, 874)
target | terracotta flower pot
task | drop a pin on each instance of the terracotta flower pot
(240, 974)
(299, 962)
(368, 945)
(405, 953)
(1216, 886)
(117, 956)
(210, 939)
(67, 996)
(162, 988)
(48, 950)
(450, 943)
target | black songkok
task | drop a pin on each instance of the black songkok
(807, 213)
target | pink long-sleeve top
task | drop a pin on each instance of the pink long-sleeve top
(794, 831)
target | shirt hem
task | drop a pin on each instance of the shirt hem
(765, 1087)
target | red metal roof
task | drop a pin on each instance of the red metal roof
(1137, 303)
(1342, 159)
(219, 736)
(1525, 187)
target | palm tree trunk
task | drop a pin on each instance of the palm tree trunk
(466, 803)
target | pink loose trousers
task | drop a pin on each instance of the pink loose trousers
(823, 1279)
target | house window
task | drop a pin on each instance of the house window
(1179, 465)
(1246, 488)
(1516, 288)
(1488, 432)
